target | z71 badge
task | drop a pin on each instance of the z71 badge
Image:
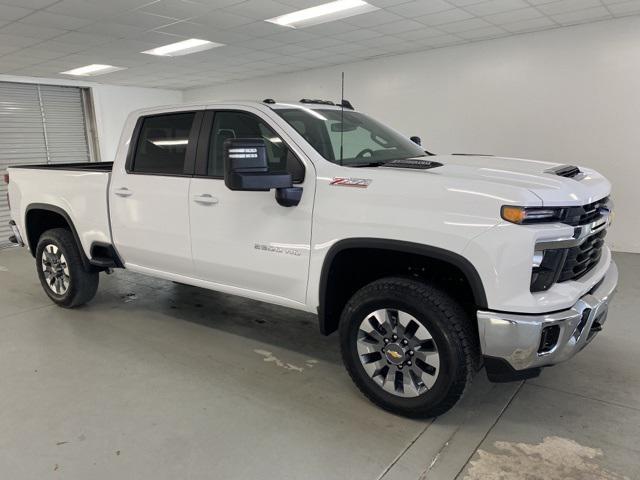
(351, 182)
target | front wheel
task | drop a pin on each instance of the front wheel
(60, 269)
(407, 346)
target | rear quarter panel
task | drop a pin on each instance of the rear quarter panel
(81, 194)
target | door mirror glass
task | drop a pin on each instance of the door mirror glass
(246, 166)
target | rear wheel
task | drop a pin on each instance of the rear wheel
(60, 269)
(407, 346)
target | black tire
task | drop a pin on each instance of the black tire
(445, 320)
(82, 285)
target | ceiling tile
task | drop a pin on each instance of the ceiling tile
(17, 40)
(563, 6)
(441, 41)
(447, 16)
(581, 16)
(357, 35)
(371, 19)
(259, 9)
(417, 8)
(10, 13)
(81, 9)
(32, 31)
(53, 20)
(113, 29)
(529, 25)
(292, 36)
(393, 28)
(320, 42)
(382, 41)
(386, 3)
(31, 4)
(471, 24)
(222, 19)
(464, 3)
(625, 8)
(38, 51)
(424, 32)
(480, 33)
(495, 6)
(329, 28)
(138, 18)
(175, 9)
(85, 39)
(513, 16)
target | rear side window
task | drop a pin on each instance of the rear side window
(162, 144)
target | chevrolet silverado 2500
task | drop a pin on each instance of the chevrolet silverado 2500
(429, 266)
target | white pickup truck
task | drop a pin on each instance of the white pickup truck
(430, 266)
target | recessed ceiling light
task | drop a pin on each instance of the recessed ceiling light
(91, 70)
(185, 47)
(327, 12)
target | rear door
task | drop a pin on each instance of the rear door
(149, 194)
(245, 239)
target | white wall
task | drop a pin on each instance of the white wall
(570, 95)
(112, 104)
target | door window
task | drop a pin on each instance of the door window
(162, 144)
(228, 125)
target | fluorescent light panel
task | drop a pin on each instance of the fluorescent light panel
(327, 12)
(185, 47)
(93, 69)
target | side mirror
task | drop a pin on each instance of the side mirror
(416, 140)
(246, 168)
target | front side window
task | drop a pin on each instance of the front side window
(162, 144)
(349, 138)
(228, 125)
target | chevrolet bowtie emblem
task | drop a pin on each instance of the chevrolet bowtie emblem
(394, 354)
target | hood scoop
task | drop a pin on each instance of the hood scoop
(413, 163)
(568, 171)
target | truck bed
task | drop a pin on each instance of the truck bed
(83, 166)
(77, 191)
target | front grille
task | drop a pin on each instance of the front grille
(582, 258)
(586, 213)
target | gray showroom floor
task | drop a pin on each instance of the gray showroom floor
(155, 380)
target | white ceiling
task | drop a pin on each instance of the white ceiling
(43, 37)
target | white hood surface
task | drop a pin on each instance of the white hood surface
(533, 175)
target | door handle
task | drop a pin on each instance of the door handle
(123, 192)
(205, 199)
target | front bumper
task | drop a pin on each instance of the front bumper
(517, 340)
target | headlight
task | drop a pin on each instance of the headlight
(526, 215)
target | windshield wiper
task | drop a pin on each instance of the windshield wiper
(368, 164)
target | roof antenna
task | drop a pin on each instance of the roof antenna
(342, 120)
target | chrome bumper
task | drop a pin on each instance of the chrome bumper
(516, 338)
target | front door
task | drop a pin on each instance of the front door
(245, 239)
(149, 196)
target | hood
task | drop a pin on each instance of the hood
(536, 176)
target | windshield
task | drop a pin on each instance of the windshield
(364, 140)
